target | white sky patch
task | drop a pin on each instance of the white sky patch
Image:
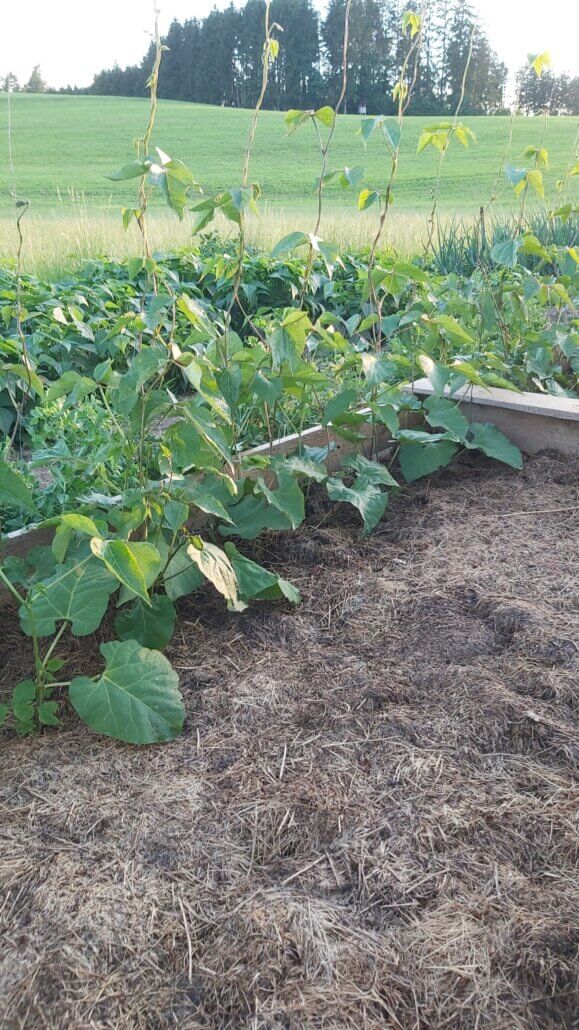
(73, 39)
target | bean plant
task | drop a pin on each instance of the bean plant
(175, 368)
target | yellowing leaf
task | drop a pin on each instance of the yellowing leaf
(535, 179)
(411, 21)
(539, 62)
(217, 568)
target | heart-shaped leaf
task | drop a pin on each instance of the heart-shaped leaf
(258, 583)
(487, 438)
(78, 592)
(287, 497)
(419, 459)
(13, 490)
(442, 412)
(136, 698)
(370, 501)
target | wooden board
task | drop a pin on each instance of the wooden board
(533, 421)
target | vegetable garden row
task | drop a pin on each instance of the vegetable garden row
(132, 395)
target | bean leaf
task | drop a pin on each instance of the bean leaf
(78, 592)
(136, 698)
(152, 625)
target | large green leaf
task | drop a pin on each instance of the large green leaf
(287, 497)
(181, 576)
(286, 348)
(419, 459)
(152, 625)
(437, 374)
(487, 438)
(298, 466)
(79, 523)
(189, 449)
(370, 501)
(367, 127)
(289, 242)
(71, 383)
(442, 412)
(506, 252)
(267, 390)
(203, 422)
(129, 171)
(24, 374)
(135, 699)
(134, 564)
(251, 516)
(377, 368)
(13, 490)
(78, 592)
(451, 328)
(338, 404)
(467, 370)
(217, 568)
(387, 415)
(196, 494)
(326, 115)
(144, 365)
(372, 471)
(258, 583)
(416, 436)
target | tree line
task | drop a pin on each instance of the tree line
(557, 94)
(35, 84)
(217, 60)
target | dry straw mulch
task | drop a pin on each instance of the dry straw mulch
(371, 820)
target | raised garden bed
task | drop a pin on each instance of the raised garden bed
(532, 421)
(370, 819)
(19, 542)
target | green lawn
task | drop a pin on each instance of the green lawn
(67, 144)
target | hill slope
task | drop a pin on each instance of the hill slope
(66, 144)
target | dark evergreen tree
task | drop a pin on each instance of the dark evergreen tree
(370, 53)
(249, 53)
(295, 76)
(218, 60)
(36, 83)
(570, 97)
(547, 92)
(217, 72)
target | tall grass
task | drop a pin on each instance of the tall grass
(56, 244)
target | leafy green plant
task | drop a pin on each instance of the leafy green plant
(152, 381)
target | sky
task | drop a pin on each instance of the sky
(73, 39)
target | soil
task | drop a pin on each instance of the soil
(371, 818)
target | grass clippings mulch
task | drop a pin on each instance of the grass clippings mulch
(371, 819)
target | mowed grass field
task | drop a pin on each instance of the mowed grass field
(63, 148)
(65, 143)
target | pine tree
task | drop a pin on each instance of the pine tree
(218, 60)
(36, 83)
(295, 76)
(218, 80)
(555, 94)
(249, 53)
